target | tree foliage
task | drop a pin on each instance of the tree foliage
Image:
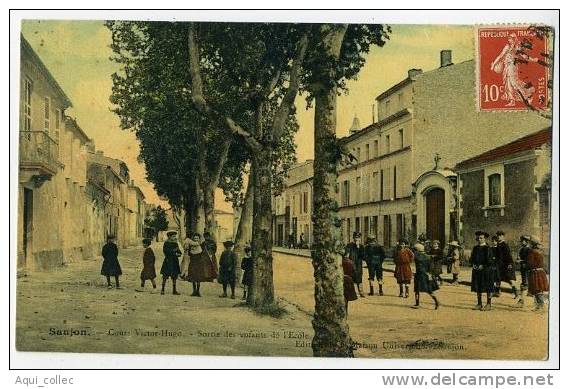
(157, 220)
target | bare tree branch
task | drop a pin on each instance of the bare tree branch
(287, 102)
(198, 99)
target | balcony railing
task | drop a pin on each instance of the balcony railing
(38, 151)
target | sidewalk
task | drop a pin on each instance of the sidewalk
(464, 277)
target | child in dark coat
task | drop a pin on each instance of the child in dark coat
(171, 265)
(483, 271)
(111, 266)
(227, 269)
(349, 289)
(247, 267)
(424, 279)
(148, 261)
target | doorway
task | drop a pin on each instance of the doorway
(435, 214)
(28, 223)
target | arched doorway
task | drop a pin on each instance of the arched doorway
(435, 214)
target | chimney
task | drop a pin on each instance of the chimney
(372, 113)
(413, 73)
(446, 58)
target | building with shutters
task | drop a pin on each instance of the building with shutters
(65, 210)
(402, 181)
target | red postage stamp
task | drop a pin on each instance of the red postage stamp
(512, 68)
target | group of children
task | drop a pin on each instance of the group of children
(198, 265)
(491, 265)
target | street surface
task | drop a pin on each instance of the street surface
(71, 310)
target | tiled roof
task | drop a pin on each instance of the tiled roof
(528, 142)
(112, 163)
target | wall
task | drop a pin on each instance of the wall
(444, 104)
(519, 213)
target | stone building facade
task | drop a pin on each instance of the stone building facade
(292, 209)
(402, 183)
(136, 212)
(62, 213)
(507, 188)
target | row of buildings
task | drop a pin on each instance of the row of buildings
(70, 196)
(432, 163)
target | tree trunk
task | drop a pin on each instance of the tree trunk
(245, 227)
(209, 210)
(262, 291)
(190, 212)
(198, 213)
(331, 332)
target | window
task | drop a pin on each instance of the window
(386, 230)
(367, 151)
(57, 124)
(394, 182)
(46, 115)
(375, 148)
(358, 154)
(358, 224)
(305, 202)
(346, 193)
(399, 225)
(387, 107)
(367, 187)
(381, 183)
(494, 189)
(400, 100)
(401, 142)
(348, 229)
(294, 204)
(373, 227)
(366, 227)
(374, 186)
(27, 105)
(387, 144)
(358, 189)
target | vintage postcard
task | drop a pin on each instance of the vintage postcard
(285, 189)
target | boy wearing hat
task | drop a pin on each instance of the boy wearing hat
(247, 267)
(171, 265)
(505, 263)
(453, 261)
(148, 261)
(111, 266)
(374, 255)
(482, 275)
(403, 274)
(356, 252)
(227, 268)
(537, 278)
(522, 260)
